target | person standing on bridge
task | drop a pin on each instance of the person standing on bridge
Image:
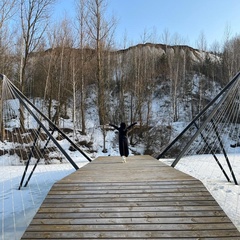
(123, 140)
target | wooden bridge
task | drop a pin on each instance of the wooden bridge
(140, 199)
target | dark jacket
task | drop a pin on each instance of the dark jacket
(123, 141)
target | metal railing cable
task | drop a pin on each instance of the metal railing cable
(12, 92)
(211, 130)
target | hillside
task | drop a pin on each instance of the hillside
(161, 87)
(145, 139)
(195, 55)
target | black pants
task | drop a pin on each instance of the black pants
(123, 147)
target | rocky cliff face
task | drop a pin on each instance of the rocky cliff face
(194, 54)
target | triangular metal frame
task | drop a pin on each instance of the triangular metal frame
(225, 91)
(27, 104)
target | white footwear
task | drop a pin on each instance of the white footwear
(124, 159)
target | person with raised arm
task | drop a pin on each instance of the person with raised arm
(123, 139)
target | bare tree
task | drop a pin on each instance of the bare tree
(100, 32)
(165, 36)
(146, 36)
(50, 60)
(34, 15)
(231, 57)
(230, 52)
(82, 17)
(57, 68)
(7, 12)
(202, 42)
(215, 70)
(64, 47)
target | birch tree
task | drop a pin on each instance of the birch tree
(100, 31)
(82, 17)
(58, 68)
(65, 44)
(34, 16)
(7, 12)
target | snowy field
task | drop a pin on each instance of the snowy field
(205, 168)
(18, 207)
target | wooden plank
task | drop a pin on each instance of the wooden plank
(129, 234)
(129, 215)
(93, 199)
(130, 200)
(122, 194)
(142, 199)
(62, 191)
(139, 187)
(143, 220)
(134, 227)
(130, 208)
(176, 183)
(146, 203)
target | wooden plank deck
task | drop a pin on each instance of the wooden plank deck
(140, 199)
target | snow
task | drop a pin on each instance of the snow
(18, 207)
(205, 168)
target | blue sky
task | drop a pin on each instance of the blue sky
(185, 18)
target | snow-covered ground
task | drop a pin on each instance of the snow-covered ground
(205, 168)
(18, 207)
